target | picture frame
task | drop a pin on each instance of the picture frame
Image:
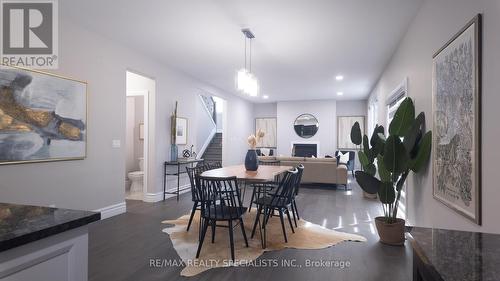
(181, 130)
(268, 125)
(344, 125)
(43, 116)
(456, 111)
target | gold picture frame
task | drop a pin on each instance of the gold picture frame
(31, 120)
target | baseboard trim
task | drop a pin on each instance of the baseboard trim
(112, 210)
(158, 196)
(152, 197)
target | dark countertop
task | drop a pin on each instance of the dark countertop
(457, 255)
(22, 224)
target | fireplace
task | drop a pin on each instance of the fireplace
(305, 149)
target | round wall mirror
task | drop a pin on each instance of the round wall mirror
(306, 126)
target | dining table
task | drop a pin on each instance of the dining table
(263, 174)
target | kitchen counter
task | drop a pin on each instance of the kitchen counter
(41, 243)
(441, 254)
(21, 224)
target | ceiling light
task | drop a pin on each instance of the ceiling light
(246, 82)
(265, 97)
(340, 93)
(339, 77)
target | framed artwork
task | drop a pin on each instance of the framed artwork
(344, 125)
(268, 126)
(456, 101)
(181, 130)
(43, 117)
(141, 131)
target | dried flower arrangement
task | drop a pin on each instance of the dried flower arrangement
(253, 140)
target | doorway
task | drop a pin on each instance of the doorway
(139, 97)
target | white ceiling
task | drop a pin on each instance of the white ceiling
(300, 45)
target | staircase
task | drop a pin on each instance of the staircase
(213, 153)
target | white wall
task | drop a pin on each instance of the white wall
(435, 24)
(265, 109)
(323, 110)
(351, 108)
(98, 180)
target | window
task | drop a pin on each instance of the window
(372, 116)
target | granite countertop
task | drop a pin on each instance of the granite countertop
(22, 224)
(458, 255)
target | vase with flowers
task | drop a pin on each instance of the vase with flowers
(251, 160)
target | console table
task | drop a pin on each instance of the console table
(440, 254)
(178, 172)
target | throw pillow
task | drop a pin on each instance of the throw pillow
(343, 158)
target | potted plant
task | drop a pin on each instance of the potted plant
(357, 139)
(251, 160)
(387, 162)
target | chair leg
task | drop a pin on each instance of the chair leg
(200, 244)
(289, 220)
(213, 231)
(231, 240)
(257, 220)
(283, 225)
(296, 210)
(243, 231)
(293, 213)
(195, 205)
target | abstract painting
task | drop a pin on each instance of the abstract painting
(43, 117)
(268, 126)
(344, 126)
(457, 122)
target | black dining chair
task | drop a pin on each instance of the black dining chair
(270, 185)
(295, 211)
(220, 201)
(279, 200)
(192, 173)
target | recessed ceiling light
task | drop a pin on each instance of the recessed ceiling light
(339, 77)
(265, 97)
(340, 93)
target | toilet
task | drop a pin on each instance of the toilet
(137, 177)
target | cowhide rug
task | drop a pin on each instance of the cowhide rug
(218, 254)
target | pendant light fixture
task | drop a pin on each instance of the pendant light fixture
(246, 82)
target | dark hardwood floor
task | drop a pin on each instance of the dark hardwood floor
(121, 247)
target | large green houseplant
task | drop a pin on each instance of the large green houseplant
(387, 160)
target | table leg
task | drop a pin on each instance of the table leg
(178, 180)
(164, 179)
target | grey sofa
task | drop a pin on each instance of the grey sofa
(316, 170)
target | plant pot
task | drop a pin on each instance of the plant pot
(369, 196)
(391, 233)
(251, 160)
